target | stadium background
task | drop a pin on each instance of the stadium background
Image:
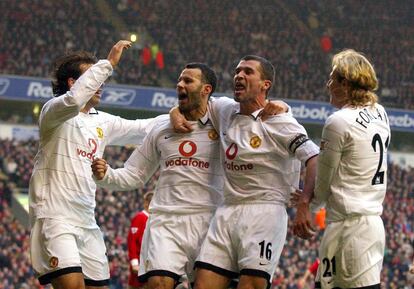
(299, 37)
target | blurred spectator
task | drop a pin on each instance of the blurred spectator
(134, 242)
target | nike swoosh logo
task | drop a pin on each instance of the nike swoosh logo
(167, 136)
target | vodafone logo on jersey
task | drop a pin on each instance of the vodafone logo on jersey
(91, 154)
(187, 149)
(231, 153)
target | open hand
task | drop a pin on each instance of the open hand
(302, 224)
(116, 52)
(273, 107)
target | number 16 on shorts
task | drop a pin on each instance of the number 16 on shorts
(265, 250)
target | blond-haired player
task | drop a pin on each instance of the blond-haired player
(352, 178)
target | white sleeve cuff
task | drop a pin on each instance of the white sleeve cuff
(104, 182)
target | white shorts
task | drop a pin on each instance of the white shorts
(245, 239)
(171, 244)
(57, 248)
(351, 253)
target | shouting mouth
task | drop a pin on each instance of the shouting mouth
(182, 98)
(239, 87)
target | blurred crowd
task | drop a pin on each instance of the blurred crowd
(383, 30)
(115, 209)
(299, 37)
(34, 33)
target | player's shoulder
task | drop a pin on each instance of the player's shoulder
(285, 126)
(103, 119)
(380, 108)
(282, 120)
(139, 215)
(340, 118)
(163, 121)
(222, 103)
(221, 100)
(161, 129)
(283, 117)
(163, 125)
(102, 114)
(341, 122)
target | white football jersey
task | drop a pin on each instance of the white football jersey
(190, 178)
(261, 160)
(61, 185)
(352, 168)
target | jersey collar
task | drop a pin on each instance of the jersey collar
(204, 120)
(254, 114)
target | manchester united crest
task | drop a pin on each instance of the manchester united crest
(255, 142)
(212, 134)
(100, 132)
(53, 262)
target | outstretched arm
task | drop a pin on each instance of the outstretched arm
(139, 167)
(181, 125)
(68, 105)
(122, 179)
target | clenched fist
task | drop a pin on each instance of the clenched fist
(99, 168)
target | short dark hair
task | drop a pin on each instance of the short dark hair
(268, 70)
(68, 66)
(208, 76)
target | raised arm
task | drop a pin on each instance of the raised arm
(124, 131)
(68, 105)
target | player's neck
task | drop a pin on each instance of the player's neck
(247, 108)
(196, 114)
(86, 109)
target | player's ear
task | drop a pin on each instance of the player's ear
(207, 89)
(267, 84)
